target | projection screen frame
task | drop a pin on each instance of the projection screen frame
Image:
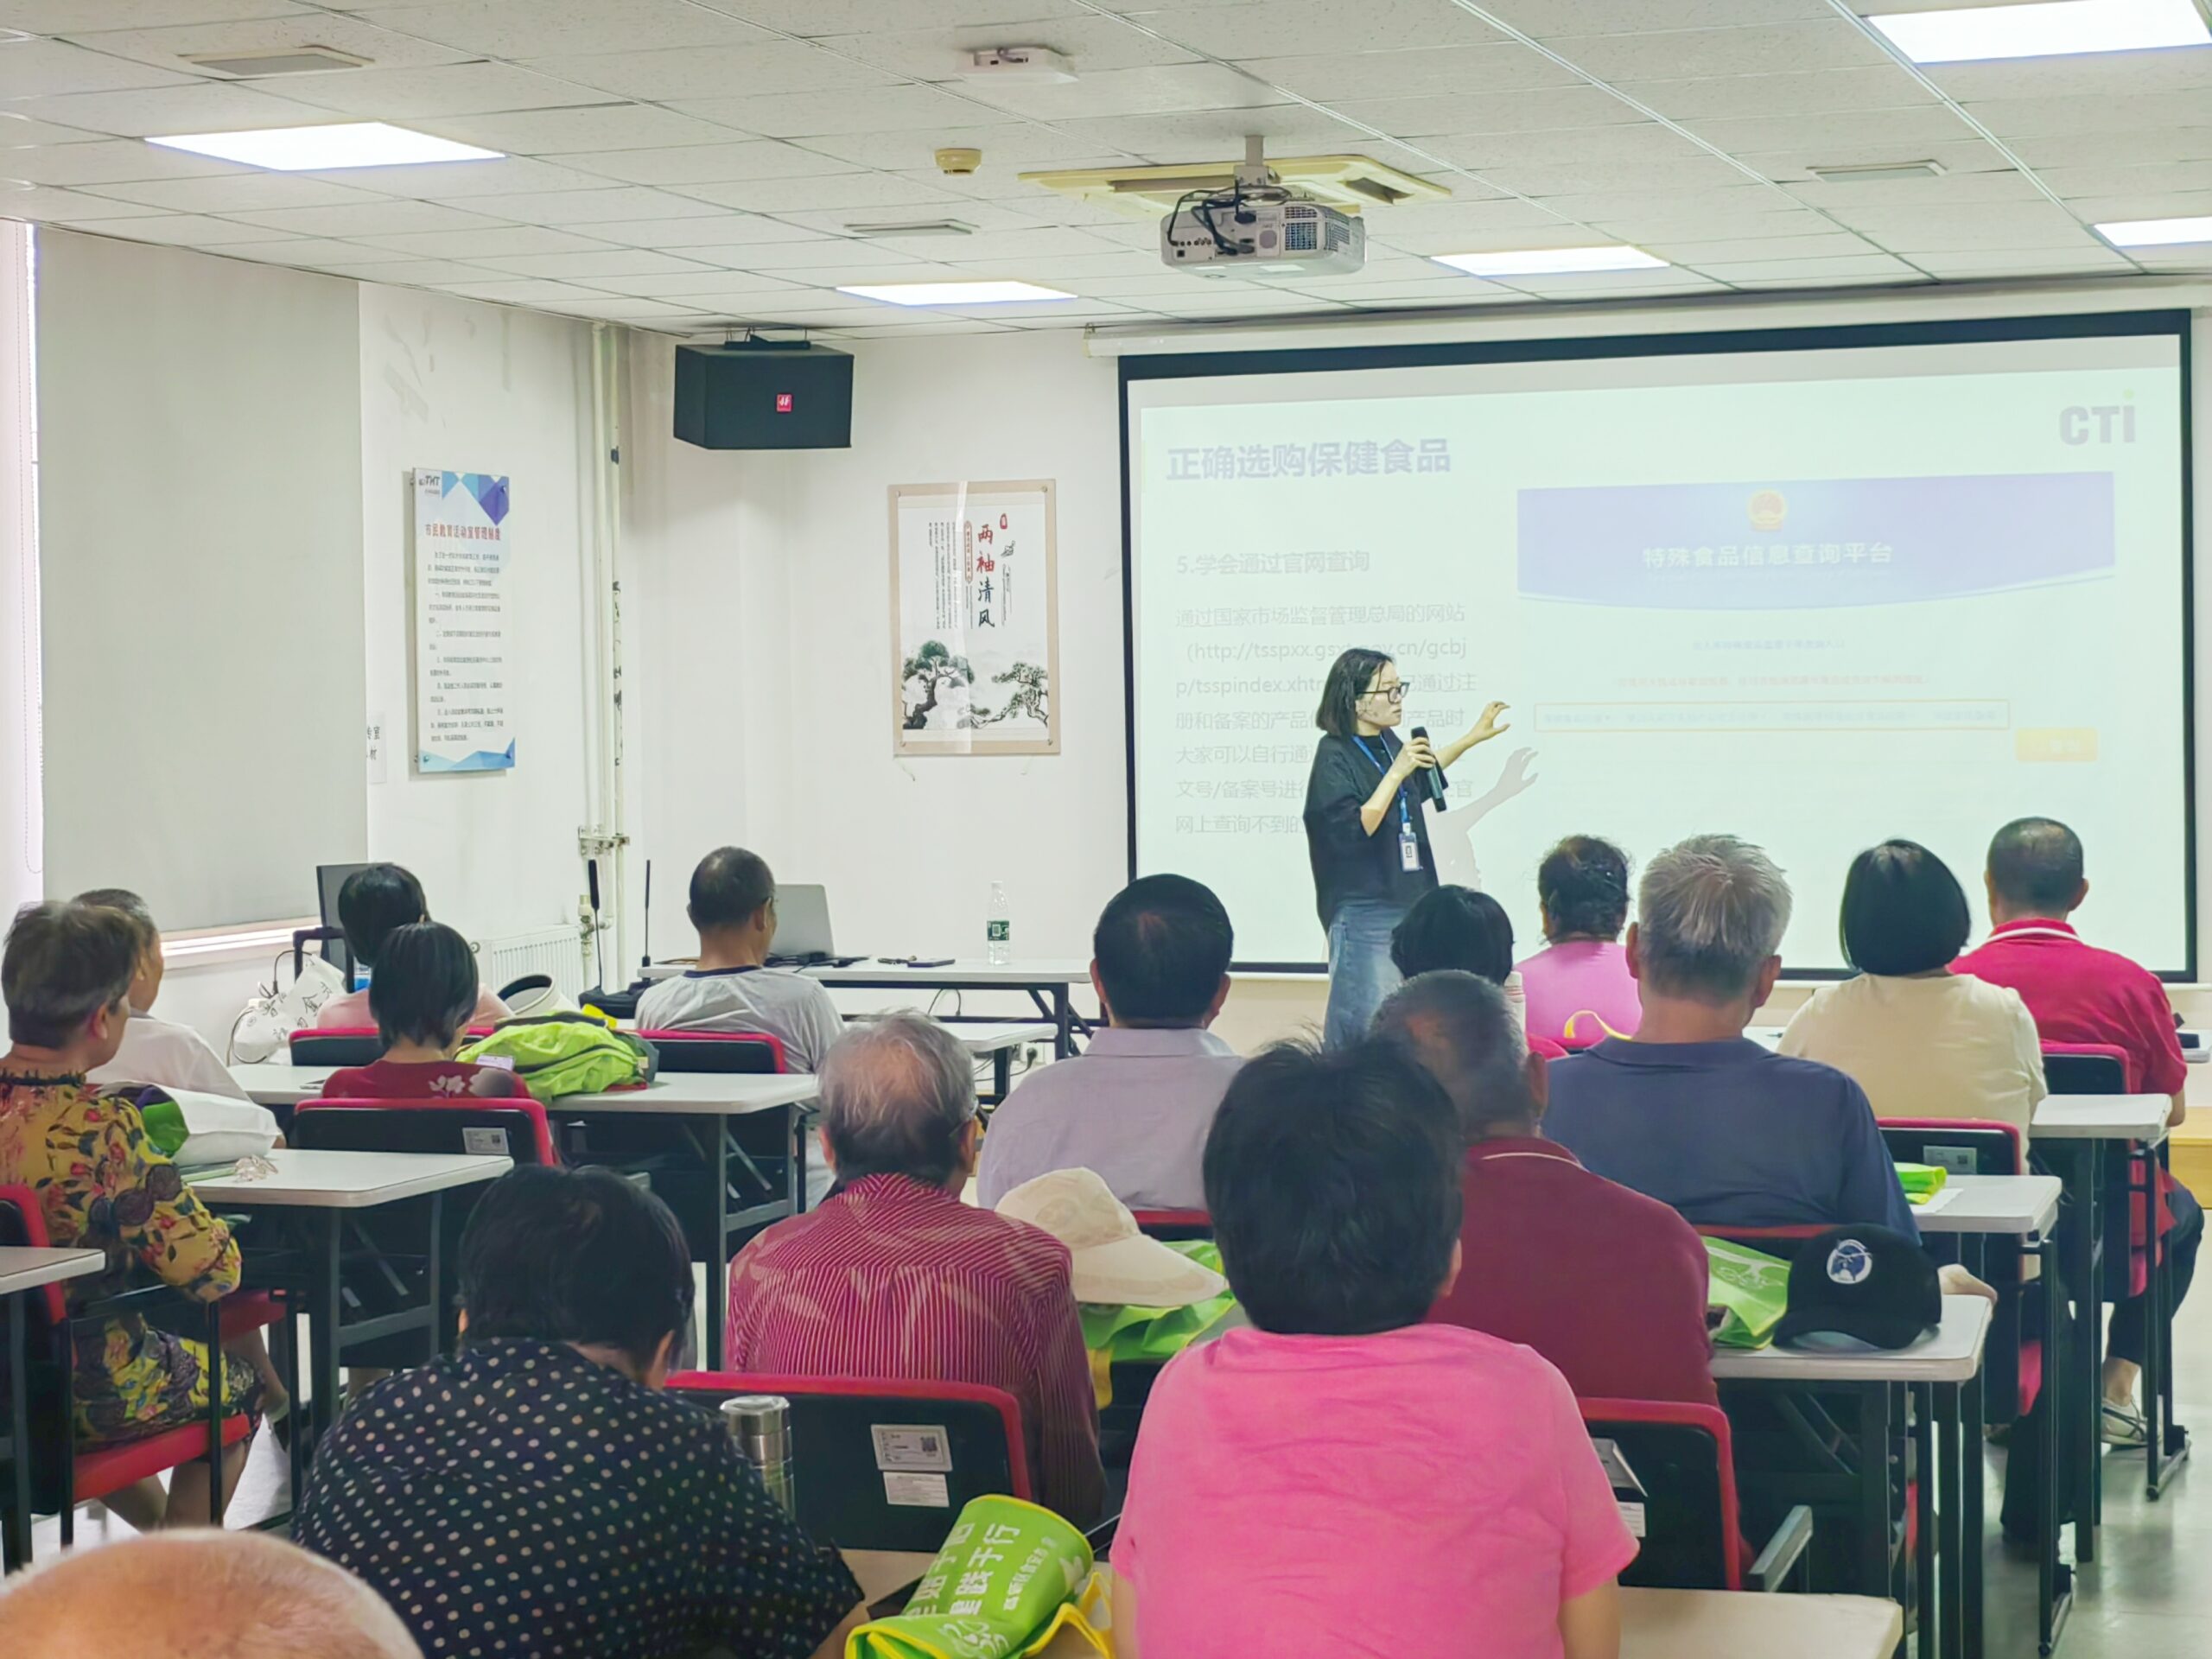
(2075, 326)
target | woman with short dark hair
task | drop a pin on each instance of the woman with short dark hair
(422, 997)
(1577, 986)
(537, 1493)
(1919, 1040)
(1365, 832)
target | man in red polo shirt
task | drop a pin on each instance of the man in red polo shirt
(2079, 994)
(1608, 1284)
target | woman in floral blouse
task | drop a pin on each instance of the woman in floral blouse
(102, 1185)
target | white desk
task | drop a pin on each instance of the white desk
(2014, 1206)
(693, 1094)
(1654, 1623)
(346, 1180)
(1951, 1353)
(2102, 1117)
(1047, 981)
(27, 1267)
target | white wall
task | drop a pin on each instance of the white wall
(762, 714)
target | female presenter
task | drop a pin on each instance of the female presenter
(1364, 831)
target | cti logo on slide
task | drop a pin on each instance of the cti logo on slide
(2074, 424)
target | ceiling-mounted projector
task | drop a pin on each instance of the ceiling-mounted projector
(1259, 228)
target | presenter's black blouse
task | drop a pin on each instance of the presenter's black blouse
(1348, 862)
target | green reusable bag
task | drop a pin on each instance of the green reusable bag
(1124, 1331)
(558, 1055)
(1010, 1577)
(1751, 1291)
(1921, 1181)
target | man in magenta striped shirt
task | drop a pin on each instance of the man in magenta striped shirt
(894, 1276)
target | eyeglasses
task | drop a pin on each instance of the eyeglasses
(1394, 693)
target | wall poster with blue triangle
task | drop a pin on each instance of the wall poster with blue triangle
(462, 591)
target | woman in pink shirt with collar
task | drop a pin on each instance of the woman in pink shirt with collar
(1341, 1480)
(1583, 887)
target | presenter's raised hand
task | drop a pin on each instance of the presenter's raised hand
(1487, 727)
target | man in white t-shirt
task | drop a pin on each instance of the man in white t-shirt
(734, 906)
(159, 1051)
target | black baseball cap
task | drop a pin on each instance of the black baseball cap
(1872, 1283)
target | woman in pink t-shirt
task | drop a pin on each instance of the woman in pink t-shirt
(1582, 886)
(1342, 1479)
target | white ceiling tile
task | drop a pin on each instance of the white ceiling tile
(69, 207)
(1095, 45)
(1296, 28)
(517, 290)
(235, 194)
(1159, 279)
(2147, 112)
(2137, 146)
(2101, 181)
(110, 161)
(607, 262)
(1576, 178)
(1211, 300)
(447, 89)
(2192, 256)
(1659, 222)
(713, 228)
(1428, 218)
(75, 16)
(308, 250)
(1215, 135)
(501, 28)
(1911, 279)
(1637, 143)
(1154, 90)
(463, 180)
(368, 218)
(171, 49)
(1556, 18)
(909, 330)
(1441, 285)
(44, 68)
(708, 163)
(706, 289)
(504, 240)
(576, 133)
(976, 215)
(1738, 199)
(1970, 159)
(2101, 75)
(1056, 269)
(1772, 49)
(1807, 272)
(1454, 71)
(1047, 241)
(403, 272)
(792, 260)
(1465, 113)
(799, 115)
(184, 230)
(1812, 91)
(1963, 227)
(1830, 244)
(1976, 188)
(620, 309)
(835, 190)
(1931, 123)
(1015, 147)
(664, 76)
(823, 17)
(2171, 204)
(595, 207)
(204, 106)
(1597, 285)
(20, 132)
(1057, 311)
(2088, 257)
(733, 301)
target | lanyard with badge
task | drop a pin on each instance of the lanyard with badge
(1408, 844)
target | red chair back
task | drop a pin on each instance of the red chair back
(513, 1127)
(2088, 1069)
(1767, 1238)
(1545, 1048)
(22, 1224)
(719, 1050)
(1684, 1456)
(955, 1440)
(1174, 1224)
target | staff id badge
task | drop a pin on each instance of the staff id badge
(1408, 851)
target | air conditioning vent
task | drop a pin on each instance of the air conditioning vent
(1348, 182)
(286, 61)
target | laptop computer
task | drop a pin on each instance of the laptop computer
(803, 937)
(329, 880)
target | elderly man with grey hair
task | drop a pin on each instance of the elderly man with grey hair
(895, 1276)
(1691, 1111)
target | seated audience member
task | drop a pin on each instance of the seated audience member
(1919, 1040)
(102, 1185)
(2079, 994)
(1691, 1110)
(422, 996)
(734, 906)
(198, 1595)
(158, 1051)
(1606, 1284)
(536, 1494)
(1582, 887)
(1135, 1105)
(373, 904)
(893, 1276)
(1343, 1477)
(1462, 931)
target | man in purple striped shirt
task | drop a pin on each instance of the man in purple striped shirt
(894, 1276)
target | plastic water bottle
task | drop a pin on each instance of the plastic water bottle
(998, 928)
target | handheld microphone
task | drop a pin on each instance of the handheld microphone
(1434, 776)
(598, 944)
(647, 960)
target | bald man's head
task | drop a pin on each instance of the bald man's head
(199, 1595)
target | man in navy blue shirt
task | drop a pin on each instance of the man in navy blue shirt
(1692, 1112)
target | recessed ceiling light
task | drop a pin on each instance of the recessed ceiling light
(1546, 262)
(954, 293)
(2052, 29)
(2157, 232)
(319, 149)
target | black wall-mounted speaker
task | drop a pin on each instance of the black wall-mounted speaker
(764, 395)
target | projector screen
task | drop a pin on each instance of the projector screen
(1816, 588)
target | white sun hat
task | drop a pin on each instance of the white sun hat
(1114, 1262)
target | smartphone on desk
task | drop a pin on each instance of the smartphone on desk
(916, 961)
